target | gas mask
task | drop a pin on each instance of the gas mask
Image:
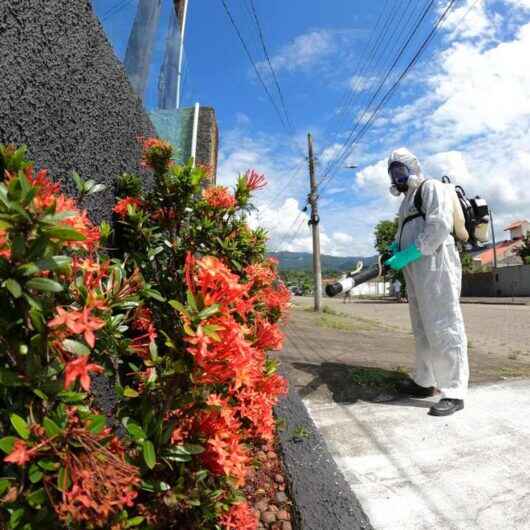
(399, 175)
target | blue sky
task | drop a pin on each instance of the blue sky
(464, 109)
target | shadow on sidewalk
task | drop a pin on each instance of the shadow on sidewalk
(349, 384)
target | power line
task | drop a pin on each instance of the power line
(347, 144)
(265, 51)
(115, 9)
(374, 36)
(256, 69)
(392, 90)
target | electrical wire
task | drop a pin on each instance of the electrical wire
(118, 7)
(267, 56)
(347, 144)
(256, 69)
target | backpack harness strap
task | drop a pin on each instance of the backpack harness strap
(418, 201)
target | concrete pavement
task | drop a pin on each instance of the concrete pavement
(411, 471)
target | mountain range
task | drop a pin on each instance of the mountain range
(303, 261)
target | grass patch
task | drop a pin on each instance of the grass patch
(516, 371)
(346, 323)
(378, 377)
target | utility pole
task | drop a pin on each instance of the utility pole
(314, 222)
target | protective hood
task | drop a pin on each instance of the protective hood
(407, 158)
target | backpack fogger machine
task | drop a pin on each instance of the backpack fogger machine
(471, 228)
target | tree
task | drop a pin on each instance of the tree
(524, 251)
(466, 260)
(385, 234)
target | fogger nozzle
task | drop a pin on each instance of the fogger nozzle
(349, 282)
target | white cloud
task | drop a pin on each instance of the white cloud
(313, 48)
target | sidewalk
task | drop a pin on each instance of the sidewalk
(411, 471)
(495, 301)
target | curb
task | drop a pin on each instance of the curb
(322, 499)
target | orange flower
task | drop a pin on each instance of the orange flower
(122, 206)
(79, 368)
(78, 322)
(5, 250)
(240, 517)
(219, 197)
(20, 454)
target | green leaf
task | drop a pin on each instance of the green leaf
(209, 311)
(9, 378)
(4, 484)
(136, 432)
(177, 454)
(135, 521)
(178, 306)
(15, 518)
(37, 498)
(149, 454)
(34, 473)
(191, 301)
(65, 234)
(194, 449)
(35, 304)
(69, 396)
(63, 480)
(48, 465)
(13, 287)
(44, 284)
(51, 428)
(151, 293)
(7, 443)
(79, 184)
(54, 263)
(20, 425)
(76, 347)
(130, 392)
(97, 424)
(41, 394)
(97, 188)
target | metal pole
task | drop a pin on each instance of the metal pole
(181, 50)
(194, 133)
(314, 221)
(494, 242)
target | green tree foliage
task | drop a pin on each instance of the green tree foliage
(385, 234)
(524, 250)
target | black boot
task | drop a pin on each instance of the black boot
(446, 407)
(409, 388)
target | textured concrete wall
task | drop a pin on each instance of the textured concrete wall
(208, 140)
(65, 94)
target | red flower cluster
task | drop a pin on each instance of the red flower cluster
(229, 349)
(240, 517)
(144, 331)
(254, 180)
(156, 154)
(219, 197)
(48, 196)
(122, 206)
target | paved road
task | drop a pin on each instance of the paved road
(409, 470)
(494, 329)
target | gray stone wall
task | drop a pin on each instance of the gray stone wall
(66, 95)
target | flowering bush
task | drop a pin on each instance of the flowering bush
(176, 315)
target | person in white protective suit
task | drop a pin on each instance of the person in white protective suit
(426, 252)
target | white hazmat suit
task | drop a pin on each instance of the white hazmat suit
(433, 284)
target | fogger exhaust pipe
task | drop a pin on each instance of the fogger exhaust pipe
(353, 280)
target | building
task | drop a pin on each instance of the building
(506, 250)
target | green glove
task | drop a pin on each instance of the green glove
(403, 258)
(393, 247)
